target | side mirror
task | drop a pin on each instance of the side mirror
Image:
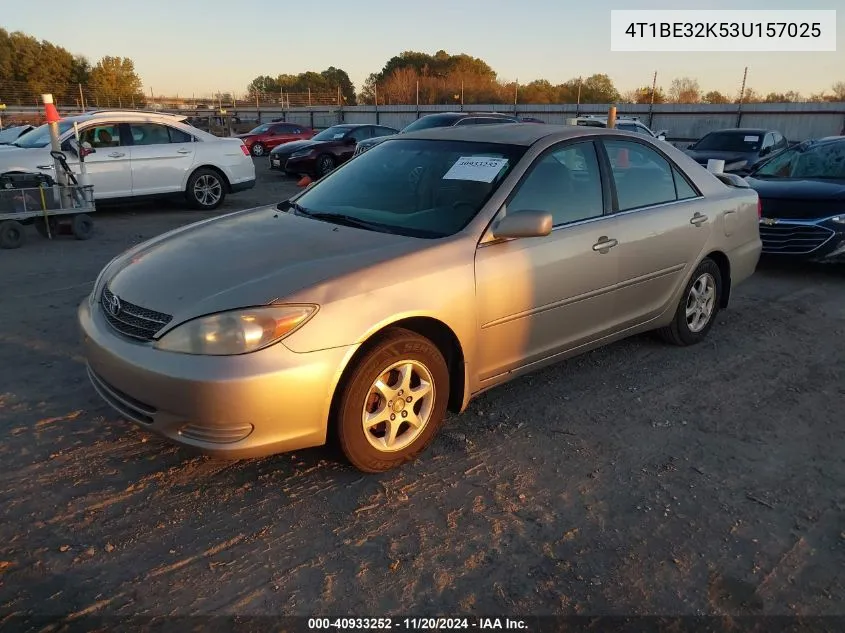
(661, 137)
(350, 141)
(87, 149)
(765, 150)
(523, 224)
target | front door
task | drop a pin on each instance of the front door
(662, 230)
(162, 156)
(540, 296)
(109, 167)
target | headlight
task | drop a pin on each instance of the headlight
(98, 282)
(236, 331)
(839, 219)
(301, 153)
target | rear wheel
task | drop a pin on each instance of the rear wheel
(393, 403)
(258, 149)
(697, 308)
(206, 189)
(12, 234)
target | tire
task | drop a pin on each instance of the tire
(398, 350)
(325, 164)
(82, 226)
(258, 149)
(689, 330)
(206, 189)
(12, 234)
(41, 227)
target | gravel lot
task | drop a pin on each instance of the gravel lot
(638, 479)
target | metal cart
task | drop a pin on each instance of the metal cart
(30, 198)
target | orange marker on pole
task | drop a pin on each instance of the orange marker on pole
(53, 122)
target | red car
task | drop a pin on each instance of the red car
(269, 135)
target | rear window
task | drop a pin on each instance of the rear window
(731, 142)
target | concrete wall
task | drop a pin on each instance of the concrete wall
(685, 123)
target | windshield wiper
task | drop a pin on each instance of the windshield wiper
(348, 220)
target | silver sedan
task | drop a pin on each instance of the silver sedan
(433, 267)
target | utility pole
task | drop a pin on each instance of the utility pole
(741, 97)
(651, 105)
(578, 100)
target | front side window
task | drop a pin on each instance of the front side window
(101, 136)
(565, 182)
(642, 177)
(422, 188)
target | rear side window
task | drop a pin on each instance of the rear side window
(683, 189)
(642, 177)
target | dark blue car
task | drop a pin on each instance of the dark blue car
(802, 193)
(742, 149)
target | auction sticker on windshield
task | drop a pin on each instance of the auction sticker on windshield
(477, 168)
(751, 139)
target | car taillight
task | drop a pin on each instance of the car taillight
(759, 208)
(244, 149)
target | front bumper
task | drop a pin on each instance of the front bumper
(299, 165)
(267, 402)
(818, 240)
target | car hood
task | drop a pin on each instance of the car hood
(295, 146)
(799, 198)
(243, 259)
(14, 158)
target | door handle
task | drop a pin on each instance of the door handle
(45, 167)
(698, 219)
(183, 151)
(116, 155)
(604, 244)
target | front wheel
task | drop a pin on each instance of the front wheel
(393, 403)
(697, 308)
(258, 149)
(206, 189)
(325, 164)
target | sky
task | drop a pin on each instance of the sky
(201, 47)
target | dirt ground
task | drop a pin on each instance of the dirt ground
(639, 479)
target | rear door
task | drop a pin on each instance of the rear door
(162, 156)
(660, 225)
(280, 134)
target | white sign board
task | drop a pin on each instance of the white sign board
(477, 168)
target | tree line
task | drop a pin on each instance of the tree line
(43, 67)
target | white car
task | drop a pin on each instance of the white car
(628, 124)
(138, 154)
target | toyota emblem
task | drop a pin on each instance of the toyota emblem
(114, 305)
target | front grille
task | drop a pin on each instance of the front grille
(360, 149)
(785, 238)
(131, 320)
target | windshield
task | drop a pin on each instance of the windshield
(428, 122)
(420, 188)
(260, 129)
(40, 136)
(730, 142)
(9, 134)
(332, 134)
(807, 161)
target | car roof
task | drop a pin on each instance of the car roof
(742, 130)
(524, 134)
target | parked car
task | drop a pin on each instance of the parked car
(802, 192)
(13, 133)
(530, 119)
(441, 119)
(741, 148)
(269, 135)
(324, 151)
(138, 154)
(626, 123)
(408, 281)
